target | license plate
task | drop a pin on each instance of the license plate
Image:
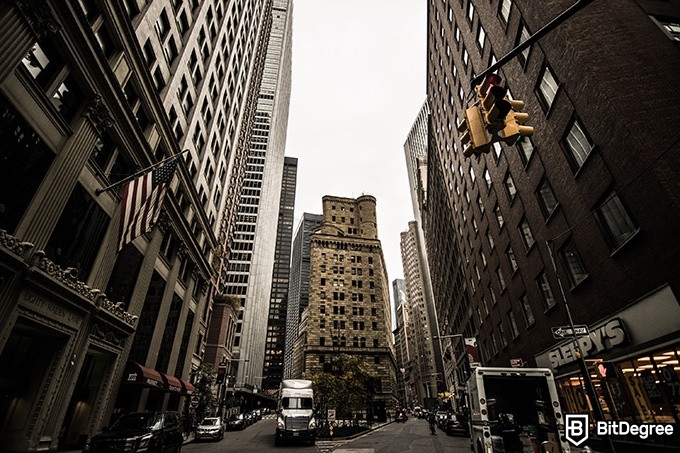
(296, 434)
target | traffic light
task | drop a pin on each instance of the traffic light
(475, 139)
(493, 99)
(513, 129)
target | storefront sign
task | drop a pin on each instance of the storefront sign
(602, 339)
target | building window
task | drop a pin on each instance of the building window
(615, 221)
(504, 11)
(670, 26)
(576, 270)
(511, 259)
(487, 178)
(162, 26)
(501, 334)
(83, 214)
(547, 88)
(514, 331)
(546, 198)
(522, 36)
(470, 12)
(526, 310)
(499, 217)
(527, 235)
(492, 294)
(481, 38)
(545, 290)
(510, 188)
(490, 239)
(501, 280)
(525, 148)
(577, 144)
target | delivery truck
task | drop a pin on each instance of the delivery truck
(515, 410)
(295, 417)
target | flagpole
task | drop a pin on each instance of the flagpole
(139, 173)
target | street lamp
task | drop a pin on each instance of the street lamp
(226, 364)
(441, 349)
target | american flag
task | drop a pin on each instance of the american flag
(142, 201)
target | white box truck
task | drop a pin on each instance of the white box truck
(515, 410)
(295, 417)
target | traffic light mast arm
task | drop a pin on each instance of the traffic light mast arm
(533, 38)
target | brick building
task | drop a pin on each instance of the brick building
(349, 303)
(593, 188)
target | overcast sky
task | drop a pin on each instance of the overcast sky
(358, 85)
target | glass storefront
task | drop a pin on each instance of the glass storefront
(644, 389)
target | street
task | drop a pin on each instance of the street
(411, 436)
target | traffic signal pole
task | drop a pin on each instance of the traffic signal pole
(581, 360)
(566, 14)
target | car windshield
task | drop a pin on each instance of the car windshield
(297, 403)
(237, 417)
(210, 422)
(138, 421)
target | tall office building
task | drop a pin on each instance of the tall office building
(401, 351)
(298, 288)
(592, 189)
(252, 256)
(424, 365)
(278, 305)
(91, 92)
(349, 303)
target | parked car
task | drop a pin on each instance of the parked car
(456, 424)
(210, 428)
(417, 412)
(400, 417)
(146, 432)
(440, 417)
(237, 421)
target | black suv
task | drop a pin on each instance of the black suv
(137, 432)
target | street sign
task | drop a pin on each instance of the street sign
(194, 401)
(566, 331)
(516, 363)
(331, 415)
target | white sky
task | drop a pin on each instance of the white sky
(359, 69)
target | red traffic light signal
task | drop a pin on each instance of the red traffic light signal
(493, 99)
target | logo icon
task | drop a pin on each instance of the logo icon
(576, 428)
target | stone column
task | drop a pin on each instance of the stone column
(21, 25)
(56, 188)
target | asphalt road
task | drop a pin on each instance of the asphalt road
(411, 436)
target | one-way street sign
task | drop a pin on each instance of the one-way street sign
(566, 331)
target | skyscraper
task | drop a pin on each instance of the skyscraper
(349, 304)
(590, 191)
(424, 364)
(276, 328)
(252, 256)
(91, 93)
(298, 289)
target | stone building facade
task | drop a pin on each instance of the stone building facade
(91, 92)
(349, 303)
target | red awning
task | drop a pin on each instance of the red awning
(187, 387)
(171, 383)
(138, 374)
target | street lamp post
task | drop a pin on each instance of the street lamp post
(441, 349)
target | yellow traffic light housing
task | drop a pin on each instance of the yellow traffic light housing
(494, 118)
(475, 138)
